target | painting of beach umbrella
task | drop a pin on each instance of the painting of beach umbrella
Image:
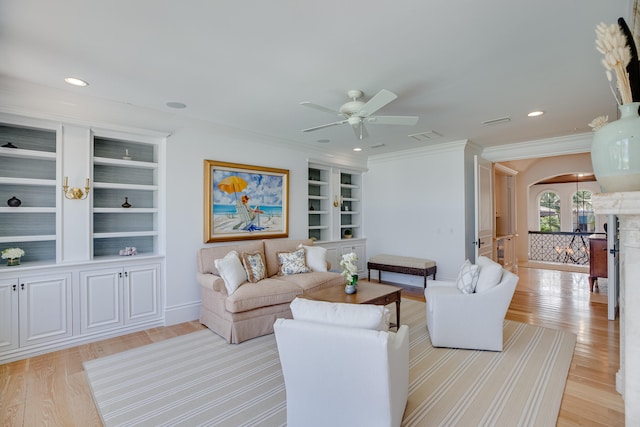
(232, 184)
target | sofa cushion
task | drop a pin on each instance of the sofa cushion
(467, 278)
(262, 294)
(316, 257)
(207, 256)
(292, 262)
(273, 246)
(490, 274)
(231, 271)
(314, 280)
(364, 316)
(254, 265)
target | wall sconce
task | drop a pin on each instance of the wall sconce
(337, 202)
(75, 193)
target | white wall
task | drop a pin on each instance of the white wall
(415, 206)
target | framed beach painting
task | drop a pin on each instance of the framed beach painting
(244, 202)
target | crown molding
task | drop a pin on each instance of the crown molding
(572, 144)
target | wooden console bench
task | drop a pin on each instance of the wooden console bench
(402, 264)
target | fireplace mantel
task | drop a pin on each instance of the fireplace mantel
(627, 207)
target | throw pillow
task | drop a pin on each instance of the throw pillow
(467, 278)
(364, 316)
(231, 271)
(316, 257)
(490, 273)
(292, 263)
(254, 265)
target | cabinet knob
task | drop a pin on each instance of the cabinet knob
(22, 286)
(15, 287)
(120, 275)
(126, 274)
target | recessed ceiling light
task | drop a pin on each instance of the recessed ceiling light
(357, 149)
(76, 81)
(535, 113)
(177, 105)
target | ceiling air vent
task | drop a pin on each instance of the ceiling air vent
(425, 136)
(377, 146)
(497, 121)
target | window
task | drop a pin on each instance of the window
(582, 218)
(549, 209)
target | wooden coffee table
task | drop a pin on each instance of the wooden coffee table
(368, 293)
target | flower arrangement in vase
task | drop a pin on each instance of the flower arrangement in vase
(615, 153)
(12, 255)
(350, 271)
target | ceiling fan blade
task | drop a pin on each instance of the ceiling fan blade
(392, 120)
(381, 99)
(360, 131)
(321, 108)
(341, 122)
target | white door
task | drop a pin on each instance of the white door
(483, 207)
(45, 308)
(141, 293)
(613, 266)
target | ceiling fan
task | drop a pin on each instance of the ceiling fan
(357, 112)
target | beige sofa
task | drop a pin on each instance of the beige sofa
(253, 308)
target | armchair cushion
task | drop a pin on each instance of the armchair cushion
(467, 278)
(490, 274)
(363, 316)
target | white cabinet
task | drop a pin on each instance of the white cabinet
(36, 310)
(9, 314)
(112, 297)
(335, 250)
(72, 286)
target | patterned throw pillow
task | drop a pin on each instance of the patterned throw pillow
(254, 265)
(467, 278)
(292, 263)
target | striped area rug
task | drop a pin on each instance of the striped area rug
(199, 379)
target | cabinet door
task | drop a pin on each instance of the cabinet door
(100, 299)
(8, 314)
(141, 293)
(359, 251)
(45, 308)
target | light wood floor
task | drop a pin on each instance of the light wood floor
(52, 389)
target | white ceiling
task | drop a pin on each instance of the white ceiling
(248, 64)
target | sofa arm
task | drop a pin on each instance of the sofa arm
(211, 281)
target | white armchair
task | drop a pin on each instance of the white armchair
(343, 376)
(471, 321)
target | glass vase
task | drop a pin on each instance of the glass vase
(615, 152)
(13, 261)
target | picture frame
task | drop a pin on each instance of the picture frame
(244, 202)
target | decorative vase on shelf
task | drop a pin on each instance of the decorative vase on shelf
(14, 202)
(126, 203)
(615, 152)
(13, 261)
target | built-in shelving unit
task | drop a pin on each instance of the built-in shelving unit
(71, 286)
(350, 196)
(319, 203)
(124, 172)
(28, 165)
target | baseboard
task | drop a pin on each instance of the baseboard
(181, 313)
